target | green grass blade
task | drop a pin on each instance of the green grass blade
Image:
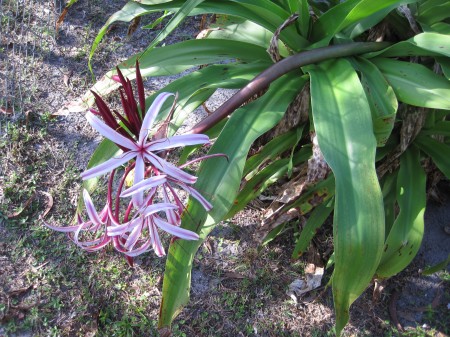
(219, 180)
(405, 237)
(343, 124)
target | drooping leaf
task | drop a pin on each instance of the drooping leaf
(343, 125)
(415, 84)
(382, 101)
(263, 179)
(179, 16)
(270, 151)
(438, 151)
(220, 180)
(433, 11)
(424, 44)
(405, 236)
(439, 128)
(173, 59)
(314, 222)
(348, 13)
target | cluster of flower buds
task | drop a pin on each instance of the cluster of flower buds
(154, 202)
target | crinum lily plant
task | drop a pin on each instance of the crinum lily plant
(155, 201)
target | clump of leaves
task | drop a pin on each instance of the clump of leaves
(365, 119)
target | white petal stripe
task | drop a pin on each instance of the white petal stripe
(176, 141)
(151, 114)
(144, 185)
(109, 133)
(107, 166)
(175, 230)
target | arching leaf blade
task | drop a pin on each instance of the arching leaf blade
(343, 124)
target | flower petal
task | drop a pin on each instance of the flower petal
(109, 133)
(107, 166)
(170, 169)
(138, 251)
(156, 242)
(90, 208)
(196, 194)
(139, 172)
(144, 185)
(151, 114)
(175, 230)
(155, 208)
(177, 141)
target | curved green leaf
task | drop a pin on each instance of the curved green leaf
(440, 128)
(415, 84)
(263, 179)
(179, 16)
(433, 11)
(382, 101)
(173, 59)
(219, 180)
(439, 152)
(314, 222)
(405, 236)
(270, 151)
(343, 124)
(346, 14)
(425, 44)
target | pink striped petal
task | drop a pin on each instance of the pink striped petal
(151, 114)
(107, 166)
(144, 185)
(196, 194)
(156, 242)
(63, 229)
(155, 208)
(121, 229)
(175, 230)
(142, 249)
(177, 141)
(109, 133)
(134, 236)
(169, 169)
(139, 172)
(90, 208)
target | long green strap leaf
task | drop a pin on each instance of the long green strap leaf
(173, 59)
(381, 97)
(343, 124)
(439, 152)
(425, 44)
(179, 16)
(347, 13)
(405, 237)
(415, 84)
(219, 180)
(314, 222)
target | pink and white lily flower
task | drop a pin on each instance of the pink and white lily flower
(143, 150)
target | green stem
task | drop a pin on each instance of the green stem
(278, 69)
